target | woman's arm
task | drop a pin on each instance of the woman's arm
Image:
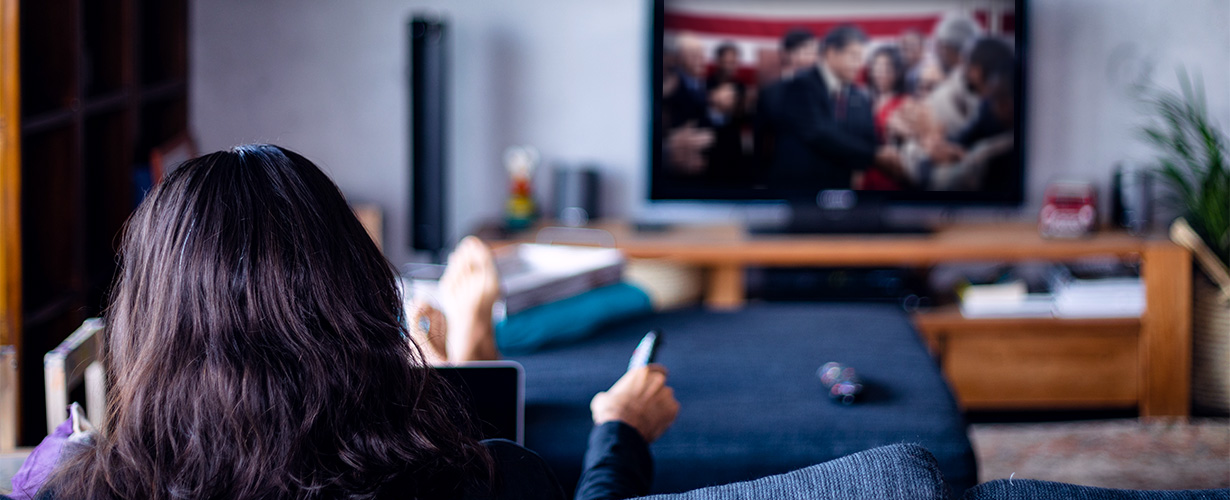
(629, 416)
(617, 464)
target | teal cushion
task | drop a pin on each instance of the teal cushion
(570, 319)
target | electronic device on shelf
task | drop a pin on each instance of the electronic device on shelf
(428, 89)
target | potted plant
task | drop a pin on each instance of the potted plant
(1195, 164)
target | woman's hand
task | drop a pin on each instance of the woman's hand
(640, 399)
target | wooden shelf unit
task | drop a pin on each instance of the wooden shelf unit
(102, 82)
(1144, 363)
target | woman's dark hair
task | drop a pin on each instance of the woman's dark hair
(895, 61)
(255, 349)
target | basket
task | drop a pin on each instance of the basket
(1210, 348)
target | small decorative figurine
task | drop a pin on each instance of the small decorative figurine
(520, 211)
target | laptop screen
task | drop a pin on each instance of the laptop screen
(494, 394)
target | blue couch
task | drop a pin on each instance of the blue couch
(897, 472)
(752, 405)
(1027, 489)
(909, 472)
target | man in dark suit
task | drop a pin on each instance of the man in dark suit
(828, 131)
(684, 104)
(726, 162)
(687, 101)
(800, 50)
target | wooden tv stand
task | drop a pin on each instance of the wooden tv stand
(992, 364)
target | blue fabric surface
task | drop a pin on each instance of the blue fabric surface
(570, 319)
(897, 472)
(1028, 489)
(752, 405)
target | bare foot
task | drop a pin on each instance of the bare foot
(469, 288)
(429, 330)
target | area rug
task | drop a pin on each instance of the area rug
(1127, 453)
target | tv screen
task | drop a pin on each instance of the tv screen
(785, 99)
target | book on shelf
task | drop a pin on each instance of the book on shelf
(1098, 297)
(532, 275)
(1110, 295)
(1009, 299)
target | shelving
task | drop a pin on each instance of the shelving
(102, 83)
(104, 59)
(163, 40)
(49, 49)
(108, 180)
(160, 119)
(1143, 363)
(50, 221)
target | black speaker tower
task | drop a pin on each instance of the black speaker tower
(428, 77)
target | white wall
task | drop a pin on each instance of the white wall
(328, 78)
(1084, 54)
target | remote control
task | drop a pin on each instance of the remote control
(646, 350)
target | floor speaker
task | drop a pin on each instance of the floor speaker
(428, 115)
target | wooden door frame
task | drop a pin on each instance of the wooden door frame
(10, 207)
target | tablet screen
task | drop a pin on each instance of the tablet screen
(493, 393)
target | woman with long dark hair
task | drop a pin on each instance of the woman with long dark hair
(886, 74)
(255, 348)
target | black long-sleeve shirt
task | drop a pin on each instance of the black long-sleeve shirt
(617, 465)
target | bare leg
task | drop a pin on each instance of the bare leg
(469, 288)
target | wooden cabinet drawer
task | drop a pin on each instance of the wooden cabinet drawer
(1042, 370)
(1036, 363)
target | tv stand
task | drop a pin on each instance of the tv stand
(994, 363)
(858, 220)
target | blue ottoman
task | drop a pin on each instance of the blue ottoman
(752, 405)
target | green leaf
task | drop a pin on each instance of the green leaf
(1192, 157)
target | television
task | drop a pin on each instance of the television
(839, 108)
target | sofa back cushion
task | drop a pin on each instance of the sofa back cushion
(900, 471)
(1021, 489)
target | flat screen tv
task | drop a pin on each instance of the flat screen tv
(839, 102)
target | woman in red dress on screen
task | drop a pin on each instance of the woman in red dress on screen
(886, 75)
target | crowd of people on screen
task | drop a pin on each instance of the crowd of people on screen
(840, 111)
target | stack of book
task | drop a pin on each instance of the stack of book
(1067, 297)
(1004, 300)
(533, 275)
(1109, 297)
